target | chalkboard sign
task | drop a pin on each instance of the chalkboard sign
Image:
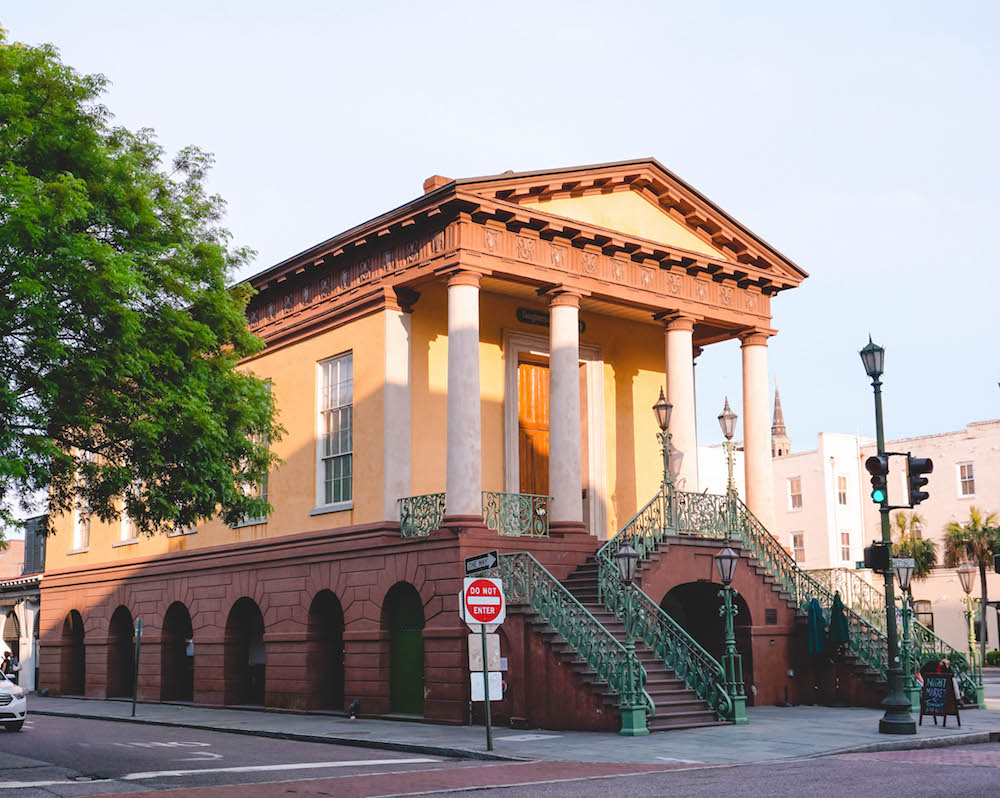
(938, 698)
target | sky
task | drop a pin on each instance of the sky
(858, 138)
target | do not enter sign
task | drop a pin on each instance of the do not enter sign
(483, 601)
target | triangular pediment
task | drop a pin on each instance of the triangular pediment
(628, 212)
(640, 199)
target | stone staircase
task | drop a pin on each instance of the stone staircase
(677, 706)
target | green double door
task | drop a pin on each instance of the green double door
(406, 680)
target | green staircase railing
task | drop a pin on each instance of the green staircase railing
(925, 646)
(680, 652)
(526, 581)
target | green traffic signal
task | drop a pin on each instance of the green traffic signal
(878, 495)
(878, 467)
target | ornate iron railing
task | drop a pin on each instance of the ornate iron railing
(860, 595)
(527, 582)
(699, 670)
(516, 514)
(420, 515)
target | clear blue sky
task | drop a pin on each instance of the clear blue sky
(859, 138)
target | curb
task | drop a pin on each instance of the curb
(971, 738)
(411, 748)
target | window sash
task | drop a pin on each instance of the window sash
(337, 429)
(795, 493)
(967, 479)
(842, 490)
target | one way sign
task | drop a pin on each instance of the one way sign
(481, 562)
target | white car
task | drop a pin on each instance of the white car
(13, 704)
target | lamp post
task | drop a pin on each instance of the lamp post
(732, 662)
(662, 410)
(632, 709)
(903, 566)
(897, 718)
(967, 577)
(727, 420)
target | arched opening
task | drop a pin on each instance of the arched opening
(177, 655)
(12, 635)
(245, 658)
(73, 666)
(121, 654)
(696, 607)
(403, 617)
(326, 651)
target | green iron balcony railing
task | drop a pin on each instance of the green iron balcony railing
(420, 515)
(527, 582)
(516, 514)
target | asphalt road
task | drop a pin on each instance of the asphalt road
(70, 757)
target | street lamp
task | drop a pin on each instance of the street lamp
(662, 410)
(732, 663)
(632, 709)
(966, 576)
(897, 718)
(727, 420)
(903, 566)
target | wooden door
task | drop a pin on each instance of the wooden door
(533, 427)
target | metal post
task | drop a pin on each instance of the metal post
(633, 711)
(667, 488)
(897, 718)
(909, 677)
(135, 668)
(486, 691)
(732, 661)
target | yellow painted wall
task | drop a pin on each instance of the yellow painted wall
(291, 487)
(633, 373)
(630, 213)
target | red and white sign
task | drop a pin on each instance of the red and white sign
(483, 601)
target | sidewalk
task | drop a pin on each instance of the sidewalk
(774, 733)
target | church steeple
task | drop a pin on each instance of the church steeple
(781, 444)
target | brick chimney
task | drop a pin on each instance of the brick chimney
(434, 182)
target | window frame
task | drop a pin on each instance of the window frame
(792, 507)
(801, 548)
(842, 490)
(962, 480)
(322, 504)
(920, 613)
(845, 546)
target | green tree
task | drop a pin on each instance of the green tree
(121, 334)
(974, 542)
(911, 543)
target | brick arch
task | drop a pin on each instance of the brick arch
(100, 622)
(72, 654)
(325, 651)
(176, 666)
(402, 619)
(244, 673)
(120, 653)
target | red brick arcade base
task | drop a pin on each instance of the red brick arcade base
(308, 621)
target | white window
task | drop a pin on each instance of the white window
(257, 490)
(966, 480)
(795, 493)
(842, 490)
(128, 528)
(845, 545)
(81, 513)
(799, 546)
(336, 432)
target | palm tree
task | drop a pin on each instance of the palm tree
(910, 543)
(974, 542)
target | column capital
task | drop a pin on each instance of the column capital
(464, 277)
(564, 298)
(756, 337)
(679, 321)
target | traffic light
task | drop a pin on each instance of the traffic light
(878, 467)
(916, 467)
(878, 557)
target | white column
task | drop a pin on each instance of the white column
(396, 412)
(29, 609)
(465, 447)
(680, 394)
(757, 429)
(565, 482)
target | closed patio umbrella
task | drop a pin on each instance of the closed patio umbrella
(817, 628)
(840, 632)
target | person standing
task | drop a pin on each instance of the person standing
(10, 666)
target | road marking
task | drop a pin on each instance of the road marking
(157, 774)
(200, 756)
(684, 761)
(351, 763)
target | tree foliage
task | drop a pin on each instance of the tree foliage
(121, 334)
(910, 542)
(975, 542)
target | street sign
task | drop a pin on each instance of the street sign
(483, 601)
(481, 562)
(492, 653)
(496, 686)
